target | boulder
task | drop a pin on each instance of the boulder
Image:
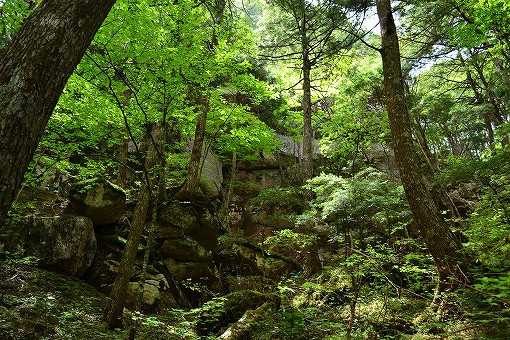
(180, 215)
(151, 295)
(66, 243)
(156, 295)
(166, 231)
(197, 223)
(101, 200)
(185, 249)
(271, 265)
(190, 270)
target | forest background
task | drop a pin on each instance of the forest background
(408, 197)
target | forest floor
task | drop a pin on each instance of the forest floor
(39, 304)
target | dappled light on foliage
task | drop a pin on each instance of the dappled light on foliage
(255, 169)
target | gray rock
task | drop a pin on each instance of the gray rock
(198, 223)
(212, 175)
(167, 231)
(98, 199)
(189, 270)
(185, 249)
(66, 244)
(150, 298)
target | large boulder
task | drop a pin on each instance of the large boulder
(155, 293)
(271, 265)
(150, 298)
(195, 222)
(101, 200)
(185, 249)
(66, 243)
(182, 270)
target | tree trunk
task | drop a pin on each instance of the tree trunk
(34, 68)
(307, 107)
(441, 242)
(113, 314)
(118, 296)
(122, 176)
(193, 175)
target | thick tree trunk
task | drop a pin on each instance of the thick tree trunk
(34, 68)
(441, 242)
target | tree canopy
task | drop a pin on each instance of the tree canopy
(360, 141)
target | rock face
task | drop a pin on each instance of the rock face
(66, 244)
(185, 249)
(212, 175)
(182, 270)
(197, 223)
(270, 265)
(98, 199)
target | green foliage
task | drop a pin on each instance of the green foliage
(12, 14)
(279, 197)
(488, 23)
(367, 200)
(489, 224)
(287, 239)
(357, 121)
(177, 165)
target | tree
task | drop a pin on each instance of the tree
(443, 245)
(308, 35)
(34, 68)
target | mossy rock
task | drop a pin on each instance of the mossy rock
(185, 249)
(66, 243)
(194, 221)
(99, 199)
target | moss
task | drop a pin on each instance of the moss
(83, 186)
(218, 313)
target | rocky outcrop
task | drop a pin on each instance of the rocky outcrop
(185, 249)
(155, 292)
(195, 222)
(212, 175)
(271, 265)
(66, 243)
(182, 270)
(98, 199)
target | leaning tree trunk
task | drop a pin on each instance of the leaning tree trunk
(113, 314)
(118, 295)
(441, 242)
(34, 68)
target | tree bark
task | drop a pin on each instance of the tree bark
(118, 296)
(122, 176)
(34, 68)
(115, 306)
(194, 169)
(306, 105)
(440, 240)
